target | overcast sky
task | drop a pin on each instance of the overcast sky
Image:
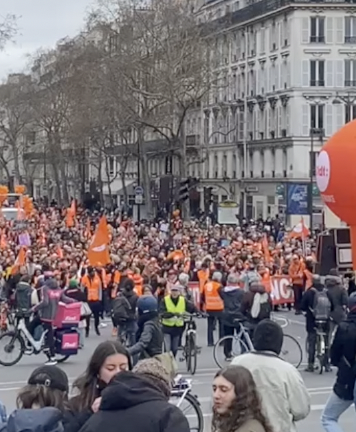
(41, 24)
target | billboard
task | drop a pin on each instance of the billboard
(297, 199)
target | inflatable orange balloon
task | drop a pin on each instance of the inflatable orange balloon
(336, 177)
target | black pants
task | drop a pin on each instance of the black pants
(49, 338)
(311, 339)
(298, 294)
(212, 318)
(96, 308)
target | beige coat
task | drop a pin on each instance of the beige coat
(250, 426)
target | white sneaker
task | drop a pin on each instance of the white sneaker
(51, 362)
(103, 325)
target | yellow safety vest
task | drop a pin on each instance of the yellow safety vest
(175, 309)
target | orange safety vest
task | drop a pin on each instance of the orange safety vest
(138, 281)
(94, 287)
(203, 276)
(213, 301)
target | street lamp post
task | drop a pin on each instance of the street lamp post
(319, 133)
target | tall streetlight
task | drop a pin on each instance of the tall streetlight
(314, 132)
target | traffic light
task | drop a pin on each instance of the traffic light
(185, 186)
(184, 190)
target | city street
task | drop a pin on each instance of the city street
(13, 378)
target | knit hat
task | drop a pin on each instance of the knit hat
(73, 283)
(50, 376)
(268, 336)
(153, 371)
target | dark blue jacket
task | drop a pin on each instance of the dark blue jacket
(34, 420)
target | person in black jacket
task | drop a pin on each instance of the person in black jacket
(150, 336)
(232, 296)
(343, 356)
(138, 401)
(307, 306)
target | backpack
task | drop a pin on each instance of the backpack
(321, 305)
(261, 309)
(121, 308)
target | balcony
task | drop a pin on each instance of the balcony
(317, 39)
(317, 83)
(192, 140)
(261, 8)
(350, 39)
(351, 83)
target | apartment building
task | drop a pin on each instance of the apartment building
(292, 64)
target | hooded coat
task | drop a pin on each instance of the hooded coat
(338, 297)
(34, 420)
(137, 405)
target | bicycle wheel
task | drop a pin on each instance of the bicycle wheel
(227, 348)
(62, 359)
(291, 351)
(12, 341)
(188, 353)
(191, 409)
(319, 356)
(193, 354)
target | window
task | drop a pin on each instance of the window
(111, 166)
(350, 30)
(273, 38)
(317, 29)
(350, 73)
(317, 116)
(350, 113)
(317, 73)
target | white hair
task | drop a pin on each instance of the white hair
(183, 279)
(217, 276)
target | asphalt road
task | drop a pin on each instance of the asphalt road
(13, 378)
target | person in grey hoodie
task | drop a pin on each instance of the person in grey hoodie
(47, 310)
(338, 298)
(232, 296)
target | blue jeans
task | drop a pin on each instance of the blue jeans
(333, 409)
(171, 343)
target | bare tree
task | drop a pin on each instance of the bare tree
(160, 65)
(14, 117)
(8, 29)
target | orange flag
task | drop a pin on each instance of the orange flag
(265, 248)
(3, 242)
(20, 260)
(98, 252)
(71, 215)
(300, 231)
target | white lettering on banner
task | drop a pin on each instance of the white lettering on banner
(71, 318)
(328, 198)
(69, 345)
(281, 291)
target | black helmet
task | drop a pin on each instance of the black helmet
(352, 302)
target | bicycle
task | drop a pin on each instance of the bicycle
(190, 350)
(27, 344)
(242, 343)
(182, 391)
(320, 346)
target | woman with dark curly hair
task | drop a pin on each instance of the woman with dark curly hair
(237, 406)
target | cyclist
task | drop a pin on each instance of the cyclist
(232, 296)
(172, 309)
(317, 306)
(149, 334)
(47, 310)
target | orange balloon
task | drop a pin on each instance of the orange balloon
(336, 174)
